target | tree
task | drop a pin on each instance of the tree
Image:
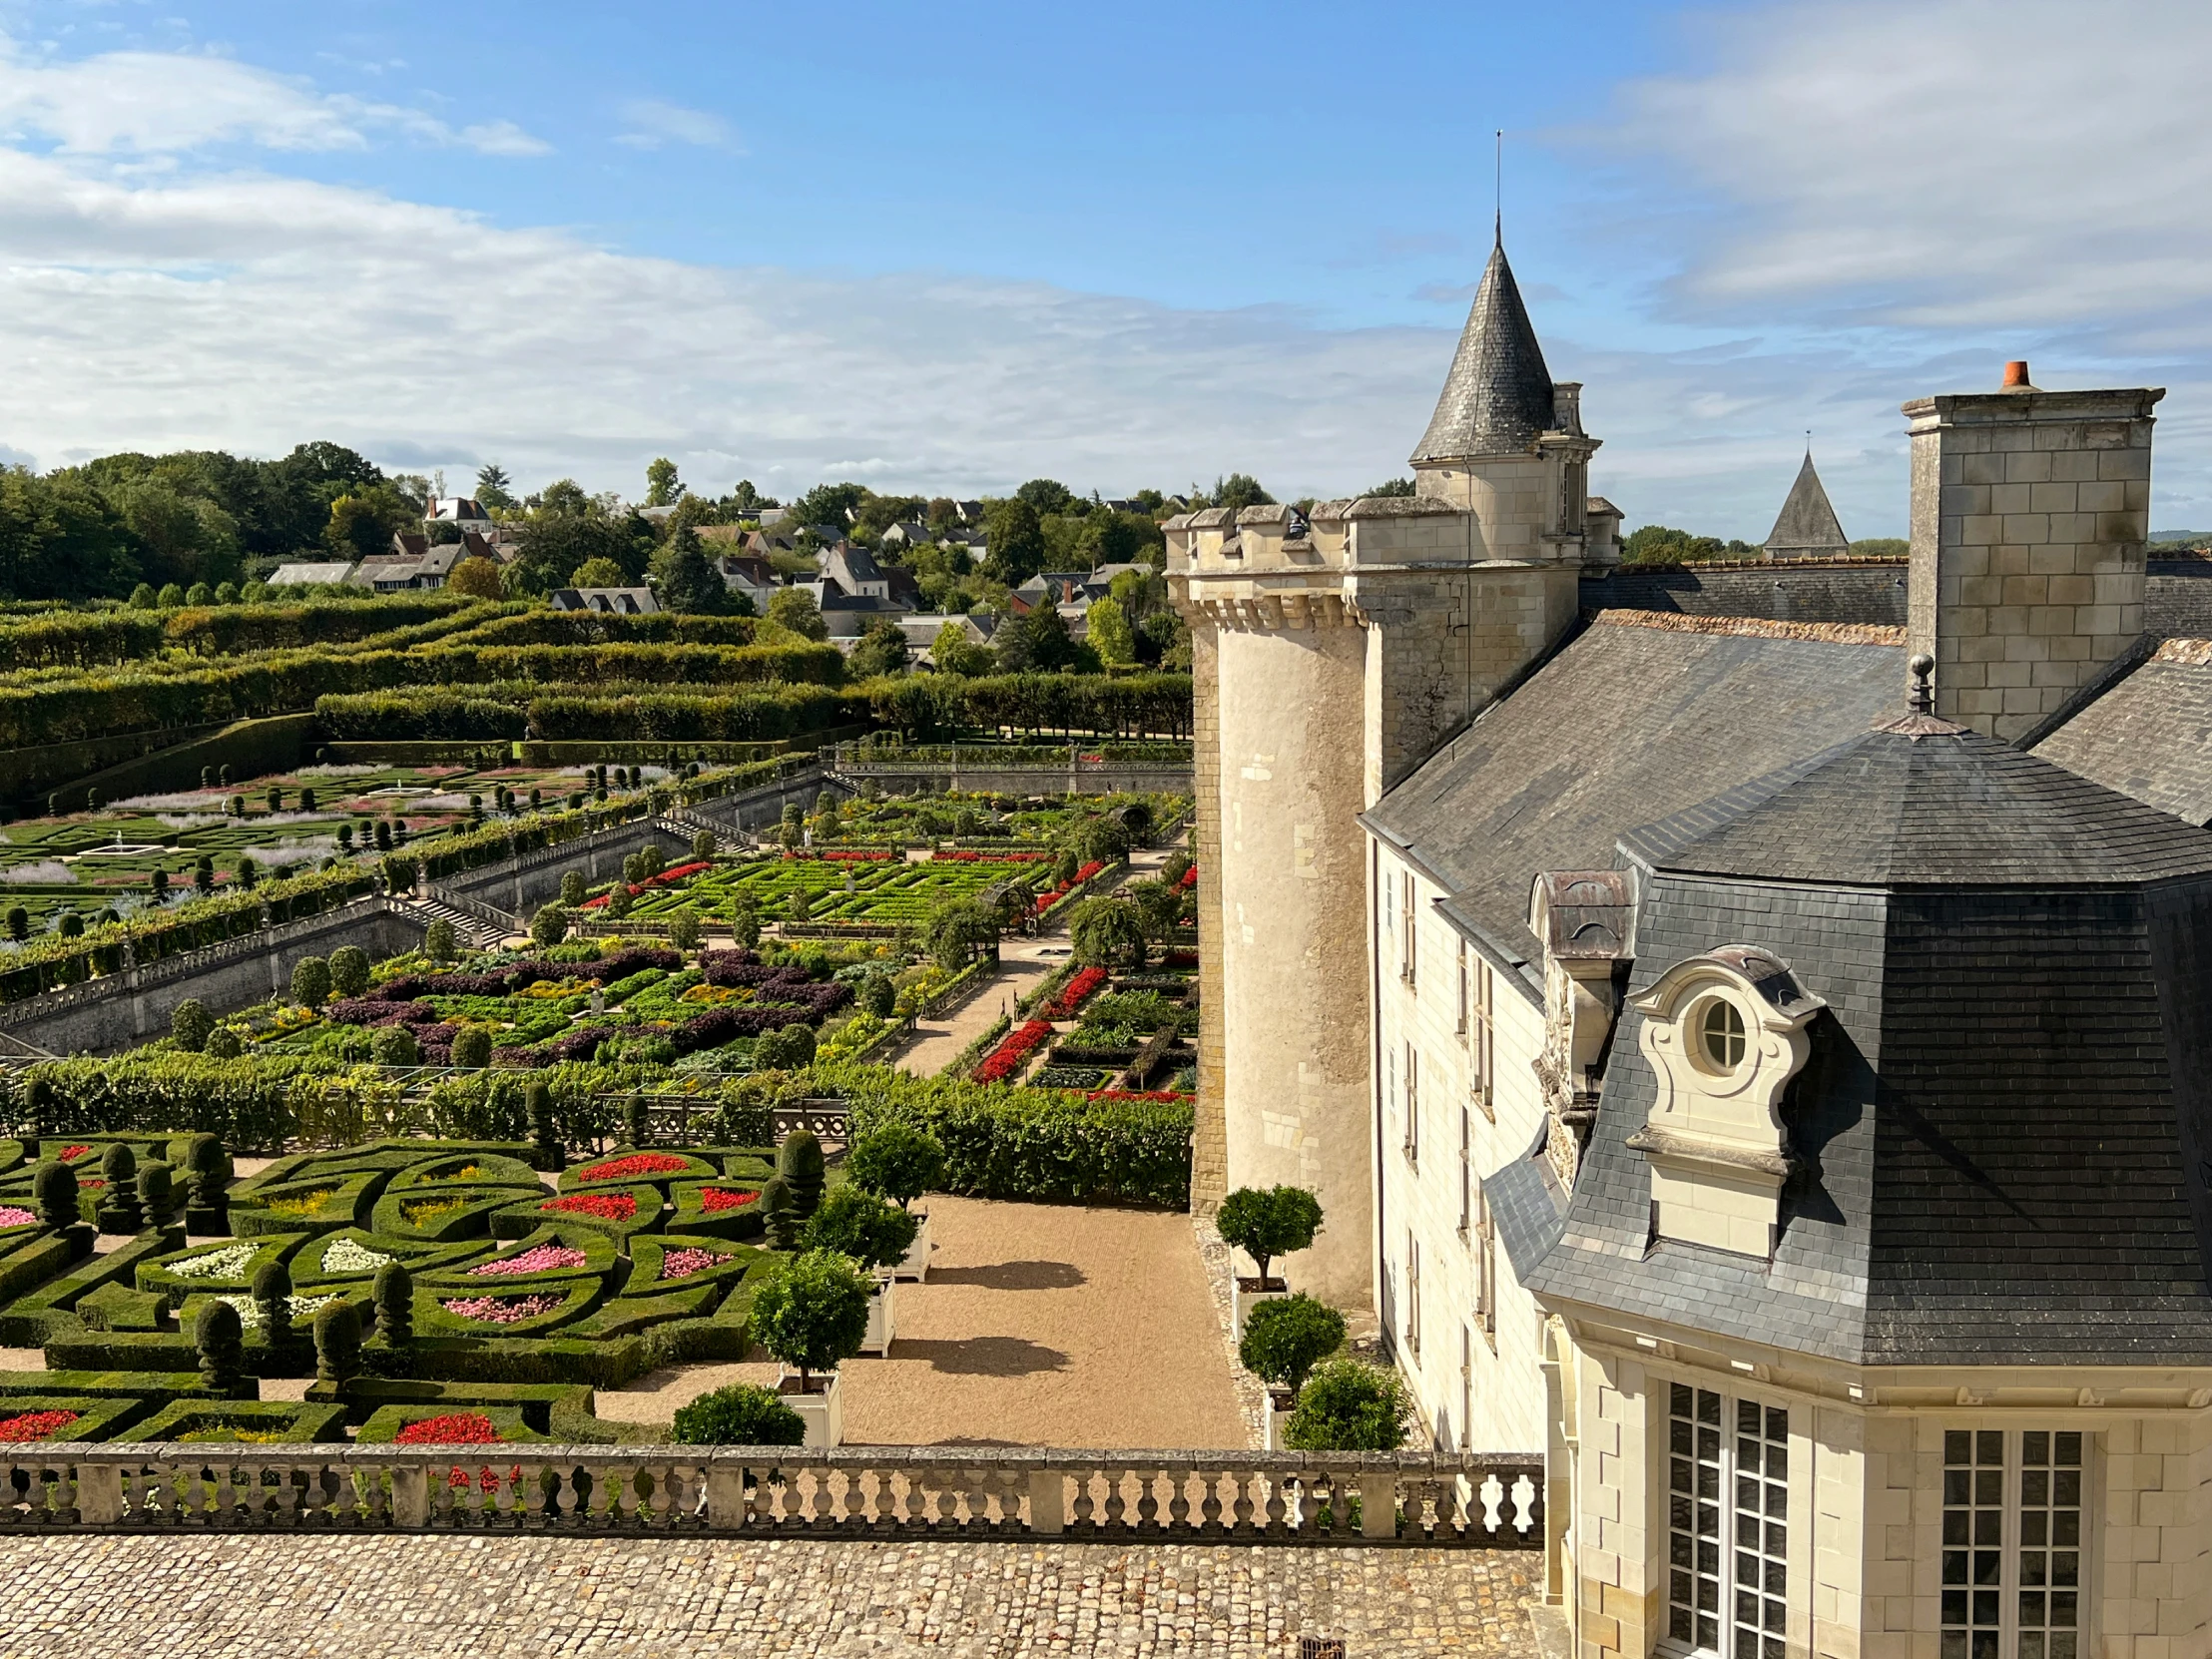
(1267, 1224)
(572, 889)
(745, 921)
(190, 1025)
(1110, 632)
(438, 941)
(894, 1160)
(394, 1045)
(1108, 932)
(472, 1047)
(478, 577)
(685, 579)
(361, 524)
(813, 1313)
(1350, 1407)
(957, 932)
(494, 487)
(861, 1225)
(1016, 541)
(1240, 490)
(1047, 495)
(1102, 840)
(598, 571)
(705, 846)
(882, 650)
(1039, 640)
(310, 981)
(878, 998)
(682, 928)
(1285, 1339)
(789, 1049)
(348, 970)
(1395, 487)
(794, 608)
(661, 485)
(956, 653)
(549, 927)
(740, 1414)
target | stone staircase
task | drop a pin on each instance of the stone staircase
(476, 925)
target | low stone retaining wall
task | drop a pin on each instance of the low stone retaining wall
(1468, 1500)
(909, 777)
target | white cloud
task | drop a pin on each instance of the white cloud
(121, 104)
(653, 122)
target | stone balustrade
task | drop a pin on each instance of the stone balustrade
(1465, 1501)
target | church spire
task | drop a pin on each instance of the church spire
(1497, 400)
(1807, 527)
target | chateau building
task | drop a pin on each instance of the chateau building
(1749, 1036)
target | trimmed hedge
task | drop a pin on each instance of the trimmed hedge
(386, 1421)
(540, 1404)
(97, 1419)
(274, 1421)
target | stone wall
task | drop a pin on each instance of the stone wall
(1023, 781)
(2177, 598)
(121, 1010)
(1210, 1128)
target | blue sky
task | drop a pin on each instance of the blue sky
(950, 247)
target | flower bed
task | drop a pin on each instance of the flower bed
(1045, 901)
(598, 1206)
(667, 878)
(436, 1425)
(227, 1262)
(1007, 1059)
(537, 1259)
(505, 1310)
(35, 1425)
(344, 1256)
(682, 1264)
(715, 1200)
(12, 1216)
(1075, 994)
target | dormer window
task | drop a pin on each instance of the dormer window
(1720, 1034)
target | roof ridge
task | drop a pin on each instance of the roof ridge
(2190, 653)
(1751, 626)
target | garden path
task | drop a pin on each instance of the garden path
(937, 1042)
(1027, 1332)
(393, 1597)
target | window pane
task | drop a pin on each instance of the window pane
(1973, 1499)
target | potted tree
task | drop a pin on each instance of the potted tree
(1282, 1341)
(809, 1317)
(897, 1161)
(874, 1234)
(1265, 1223)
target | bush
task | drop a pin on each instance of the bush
(745, 921)
(472, 1048)
(573, 888)
(338, 1344)
(1350, 1407)
(1108, 932)
(220, 1341)
(392, 1290)
(740, 1414)
(861, 1225)
(311, 982)
(683, 930)
(349, 970)
(53, 1193)
(394, 1045)
(878, 996)
(813, 1313)
(546, 1152)
(273, 1296)
(224, 1044)
(779, 1214)
(1268, 1224)
(704, 845)
(896, 1161)
(549, 927)
(798, 1162)
(1285, 1339)
(790, 1049)
(438, 941)
(190, 1025)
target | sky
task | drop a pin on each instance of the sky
(946, 248)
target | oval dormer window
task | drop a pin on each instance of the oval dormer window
(1720, 1034)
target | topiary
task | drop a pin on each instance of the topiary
(1349, 1407)
(119, 1206)
(310, 981)
(438, 941)
(572, 889)
(798, 1161)
(549, 927)
(54, 1192)
(190, 1025)
(878, 996)
(895, 1160)
(338, 1344)
(1285, 1339)
(636, 1122)
(224, 1042)
(221, 1338)
(203, 1168)
(813, 1313)
(273, 1296)
(852, 1223)
(741, 1415)
(1265, 1223)
(683, 930)
(779, 1214)
(394, 1292)
(38, 1104)
(472, 1047)
(704, 845)
(546, 1151)
(156, 1195)
(349, 970)
(394, 1045)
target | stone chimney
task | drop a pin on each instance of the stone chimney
(2030, 510)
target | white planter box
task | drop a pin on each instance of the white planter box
(823, 1414)
(880, 1327)
(915, 1265)
(1247, 1293)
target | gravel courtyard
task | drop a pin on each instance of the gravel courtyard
(1035, 1328)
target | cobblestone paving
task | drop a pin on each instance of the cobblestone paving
(218, 1597)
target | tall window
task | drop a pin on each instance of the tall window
(2011, 1544)
(1412, 1292)
(1409, 961)
(1466, 1389)
(1413, 1104)
(1466, 1171)
(1464, 1008)
(1727, 1525)
(1485, 1267)
(1481, 1057)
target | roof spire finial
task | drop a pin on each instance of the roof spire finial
(1921, 699)
(1808, 444)
(1497, 193)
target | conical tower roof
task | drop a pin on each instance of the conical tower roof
(1808, 526)
(1498, 397)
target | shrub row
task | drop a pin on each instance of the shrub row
(519, 709)
(86, 638)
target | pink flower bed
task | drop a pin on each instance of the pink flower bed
(12, 1216)
(503, 1310)
(637, 1164)
(1009, 1056)
(539, 1259)
(682, 1264)
(715, 1200)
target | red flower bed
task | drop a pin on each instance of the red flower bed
(1007, 1058)
(452, 1428)
(1190, 878)
(70, 1154)
(1075, 994)
(679, 873)
(1047, 900)
(714, 1200)
(35, 1425)
(606, 1206)
(638, 1163)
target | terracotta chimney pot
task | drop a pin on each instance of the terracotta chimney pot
(2015, 377)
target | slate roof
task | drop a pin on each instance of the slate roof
(1993, 1129)
(1497, 398)
(1806, 526)
(2149, 735)
(1630, 721)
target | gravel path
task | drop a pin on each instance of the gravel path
(1034, 1324)
(257, 1597)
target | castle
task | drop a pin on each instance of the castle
(1746, 1024)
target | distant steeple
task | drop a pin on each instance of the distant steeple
(1808, 528)
(1497, 398)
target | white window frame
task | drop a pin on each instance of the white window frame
(1485, 1267)
(1409, 968)
(1466, 1388)
(2023, 1563)
(1466, 1171)
(1483, 1058)
(1716, 1557)
(1465, 1008)
(1413, 1104)
(1412, 1292)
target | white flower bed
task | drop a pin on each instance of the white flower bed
(227, 1262)
(300, 1308)
(344, 1256)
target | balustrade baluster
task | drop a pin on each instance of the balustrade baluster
(1148, 1504)
(1116, 1508)
(1209, 1503)
(225, 1500)
(793, 1503)
(1273, 1526)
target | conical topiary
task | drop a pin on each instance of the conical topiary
(546, 1151)
(273, 1296)
(779, 1214)
(220, 1341)
(207, 1205)
(637, 1124)
(157, 1196)
(393, 1290)
(118, 1205)
(54, 1191)
(338, 1344)
(798, 1161)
